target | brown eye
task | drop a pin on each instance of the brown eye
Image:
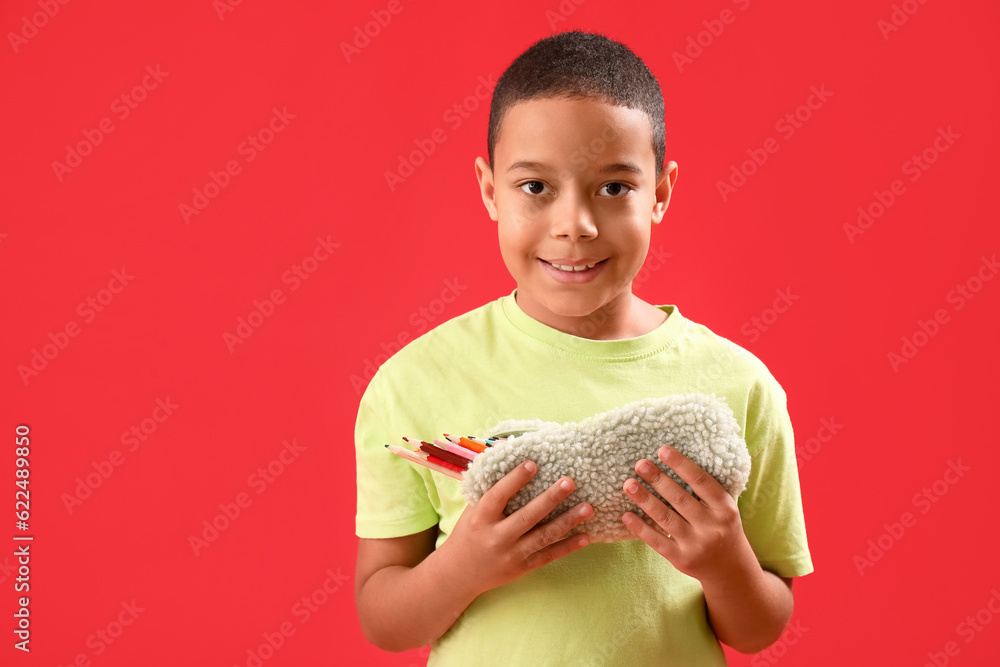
(536, 187)
(617, 188)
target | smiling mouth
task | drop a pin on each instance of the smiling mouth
(573, 269)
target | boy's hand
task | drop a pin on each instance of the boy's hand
(488, 549)
(702, 538)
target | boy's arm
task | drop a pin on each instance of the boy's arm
(383, 604)
(703, 537)
(409, 594)
(749, 611)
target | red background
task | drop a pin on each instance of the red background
(323, 175)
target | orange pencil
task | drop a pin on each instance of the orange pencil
(456, 440)
(473, 445)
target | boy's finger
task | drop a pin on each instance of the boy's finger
(549, 532)
(496, 497)
(681, 502)
(659, 541)
(701, 482)
(557, 550)
(526, 518)
(662, 515)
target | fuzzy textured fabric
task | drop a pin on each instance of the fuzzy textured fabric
(600, 452)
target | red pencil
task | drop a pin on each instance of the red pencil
(444, 464)
(444, 455)
(421, 458)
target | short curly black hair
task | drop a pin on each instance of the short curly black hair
(579, 65)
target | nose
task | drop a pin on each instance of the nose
(572, 219)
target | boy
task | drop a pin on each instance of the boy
(575, 180)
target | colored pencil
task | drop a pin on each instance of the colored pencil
(444, 464)
(456, 449)
(468, 443)
(473, 445)
(461, 450)
(456, 441)
(420, 458)
(444, 455)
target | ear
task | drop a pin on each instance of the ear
(486, 187)
(664, 186)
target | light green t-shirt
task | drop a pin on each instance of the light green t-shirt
(606, 604)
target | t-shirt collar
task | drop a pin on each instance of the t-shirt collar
(618, 350)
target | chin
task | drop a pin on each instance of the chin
(579, 306)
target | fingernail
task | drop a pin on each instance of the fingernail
(530, 466)
(631, 486)
(628, 518)
(566, 484)
(645, 467)
(583, 540)
(583, 510)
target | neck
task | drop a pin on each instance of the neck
(625, 316)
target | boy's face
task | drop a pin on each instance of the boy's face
(575, 184)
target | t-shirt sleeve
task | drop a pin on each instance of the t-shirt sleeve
(393, 495)
(771, 505)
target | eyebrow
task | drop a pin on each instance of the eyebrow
(606, 169)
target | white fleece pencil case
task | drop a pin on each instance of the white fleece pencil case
(600, 452)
